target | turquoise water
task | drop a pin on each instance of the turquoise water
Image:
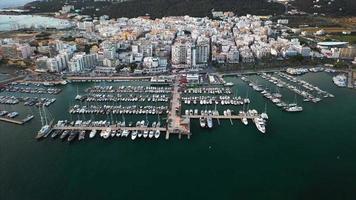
(308, 155)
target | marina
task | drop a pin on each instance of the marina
(31, 90)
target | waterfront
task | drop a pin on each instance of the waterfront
(307, 155)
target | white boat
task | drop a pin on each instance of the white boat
(264, 115)
(157, 134)
(106, 133)
(145, 134)
(340, 80)
(133, 135)
(202, 122)
(43, 131)
(229, 84)
(150, 134)
(92, 133)
(294, 109)
(209, 120)
(260, 124)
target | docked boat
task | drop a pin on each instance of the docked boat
(209, 120)
(134, 135)
(92, 133)
(43, 131)
(202, 121)
(64, 134)
(55, 133)
(157, 134)
(145, 133)
(340, 80)
(72, 136)
(81, 135)
(151, 134)
(260, 124)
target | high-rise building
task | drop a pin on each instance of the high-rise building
(82, 62)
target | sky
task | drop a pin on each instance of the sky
(11, 3)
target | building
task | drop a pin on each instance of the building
(182, 53)
(81, 62)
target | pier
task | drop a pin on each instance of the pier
(14, 121)
(217, 117)
(112, 127)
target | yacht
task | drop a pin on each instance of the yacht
(72, 136)
(133, 135)
(64, 134)
(202, 122)
(150, 134)
(264, 115)
(81, 135)
(145, 134)
(260, 124)
(209, 120)
(125, 133)
(157, 134)
(43, 131)
(139, 134)
(340, 80)
(294, 109)
(106, 133)
(92, 133)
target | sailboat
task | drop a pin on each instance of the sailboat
(78, 97)
(294, 106)
(46, 126)
(264, 114)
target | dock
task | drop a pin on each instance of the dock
(112, 127)
(14, 121)
(218, 117)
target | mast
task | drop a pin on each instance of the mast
(45, 116)
(39, 110)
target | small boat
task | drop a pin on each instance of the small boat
(157, 134)
(145, 134)
(150, 134)
(81, 135)
(92, 133)
(72, 136)
(133, 135)
(209, 120)
(202, 122)
(64, 134)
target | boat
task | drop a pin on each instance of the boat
(202, 122)
(157, 134)
(106, 133)
(229, 84)
(64, 134)
(81, 135)
(340, 80)
(260, 124)
(55, 133)
(125, 133)
(92, 133)
(72, 136)
(209, 120)
(294, 109)
(43, 131)
(133, 135)
(145, 133)
(151, 134)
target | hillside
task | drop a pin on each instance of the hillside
(334, 8)
(161, 8)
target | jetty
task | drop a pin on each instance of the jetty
(15, 121)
